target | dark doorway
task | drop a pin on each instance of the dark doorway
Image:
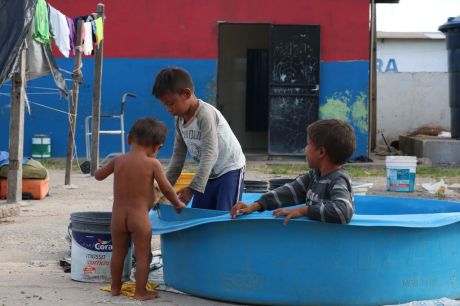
(257, 90)
(268, 84)
(236, 64)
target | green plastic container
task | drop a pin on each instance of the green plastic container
(41, 146)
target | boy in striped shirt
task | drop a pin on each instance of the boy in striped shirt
(326, 188)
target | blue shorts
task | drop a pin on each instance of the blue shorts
(221, 193)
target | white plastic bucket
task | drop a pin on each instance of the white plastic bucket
(401, 172)
(92, 248)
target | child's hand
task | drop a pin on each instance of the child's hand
(291, 213)
(241, 208)
(179, 206)
(185, 194)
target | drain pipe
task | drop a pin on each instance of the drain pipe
(373, 80)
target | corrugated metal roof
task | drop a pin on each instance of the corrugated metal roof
(410, 35)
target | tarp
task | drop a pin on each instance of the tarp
(371, 211)
(16, 33)
(40, 62)
(15, 20)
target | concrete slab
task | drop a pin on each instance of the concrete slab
(9, 210)
(438, 150)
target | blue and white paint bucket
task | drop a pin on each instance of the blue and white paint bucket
(92, 248)
(401, 173)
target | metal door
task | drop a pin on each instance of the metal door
(293, 87)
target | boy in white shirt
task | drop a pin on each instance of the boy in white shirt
(202, 131)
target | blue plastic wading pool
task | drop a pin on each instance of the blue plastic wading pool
(394, 250)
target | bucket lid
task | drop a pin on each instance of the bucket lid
(452, 23)
(92, 217)
(399, 157)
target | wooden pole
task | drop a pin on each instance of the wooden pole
(73, 113)
(97, 98)
(16, 145)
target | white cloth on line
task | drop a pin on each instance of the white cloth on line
(60, 31)
(88, 38)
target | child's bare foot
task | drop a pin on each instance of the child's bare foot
(116, 291)
(146, 295)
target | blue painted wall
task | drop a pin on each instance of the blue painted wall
(345, 82)
(119, 76)
(344, 95)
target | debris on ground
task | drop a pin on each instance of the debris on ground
(129, 289)
(156, 274)
(361, 188)
(444, 134)
(428, 131)
(66, 264)
(439, 189)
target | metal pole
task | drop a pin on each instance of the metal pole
(373, 81)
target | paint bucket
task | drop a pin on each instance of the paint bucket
(41, 146)
(401, 173)
(92, 248)
(184, 180)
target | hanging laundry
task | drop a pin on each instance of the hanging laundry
(88, 18)
(41, 22)
(40, 61)
(88, 39)
(72, 36)
(93, 26)
(99, 30)
(60, 31)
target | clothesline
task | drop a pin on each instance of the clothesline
(52, 108)
(28, 102)
(51, 23)
(40, 87)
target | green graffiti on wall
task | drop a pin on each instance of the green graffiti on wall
(345, 107)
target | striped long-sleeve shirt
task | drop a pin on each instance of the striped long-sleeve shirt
(329, 198)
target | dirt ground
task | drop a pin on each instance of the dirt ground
(32, 244)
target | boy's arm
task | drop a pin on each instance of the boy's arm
(209, 149)
(178, 158)
(339, 208)
(164, 185)
(105, 171)
(287, 195)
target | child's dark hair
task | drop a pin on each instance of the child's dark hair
(336, 136)
(171, 79)
(148, 132)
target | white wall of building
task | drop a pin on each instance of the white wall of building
(412, 86)
(407, 101)
(412, 55)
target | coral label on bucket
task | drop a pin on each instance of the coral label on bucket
(89, 270)
(91, 255)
